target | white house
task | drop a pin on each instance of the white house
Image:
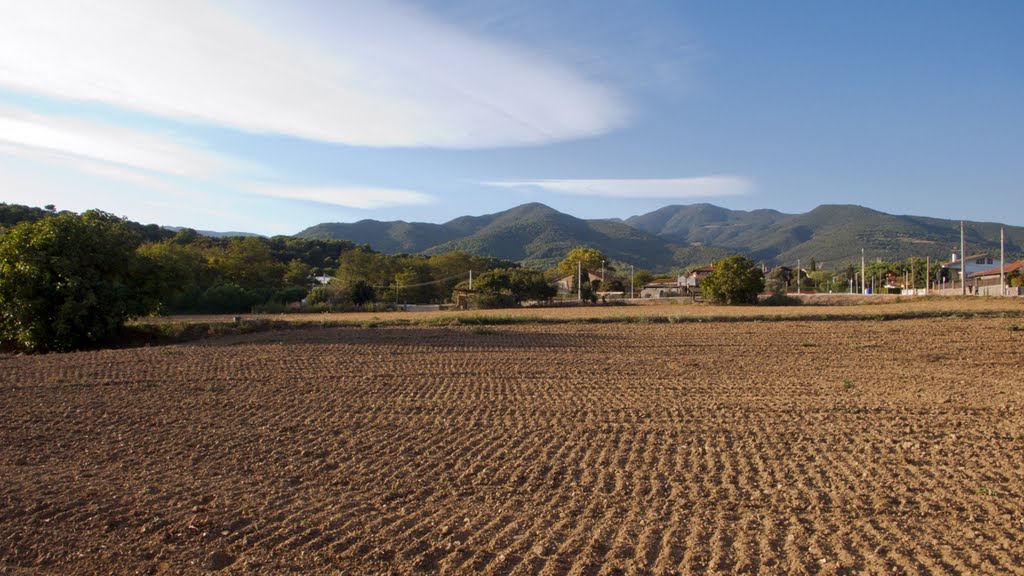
(972, 264)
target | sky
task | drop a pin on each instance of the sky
(271, 116)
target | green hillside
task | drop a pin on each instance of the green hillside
(831, 234)
(388, 237)
(682, 236)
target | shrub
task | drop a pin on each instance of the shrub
(70, 281)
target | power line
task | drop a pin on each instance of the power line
(431, 283)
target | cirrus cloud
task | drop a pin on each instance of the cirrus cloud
(377, 74)
(361, 197)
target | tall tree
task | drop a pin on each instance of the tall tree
(69, 281)
(734, 280)
(588, 258)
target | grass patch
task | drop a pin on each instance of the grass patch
(847, 385)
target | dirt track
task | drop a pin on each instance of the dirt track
(745, 447)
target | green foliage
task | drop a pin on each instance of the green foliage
(360, 293)
(589, 258)
(69, 281)
(641, 277)
(297, 273)
(509, 287)
(1015, 279)
(734, 280)
(227, 297)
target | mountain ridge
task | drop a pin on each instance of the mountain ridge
(679, 236)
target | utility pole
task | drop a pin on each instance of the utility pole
(470, 279)
(579, 280)
(602, 274)
(1002, 261)
(928, 276)
(797, 275)
(631, 275)
(913, 277)
(862, 279)
(963, 263)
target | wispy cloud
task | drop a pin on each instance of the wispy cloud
(364, 198)
(664, 188)
(361, 73)
(23, 131)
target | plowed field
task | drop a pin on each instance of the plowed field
(788, 447)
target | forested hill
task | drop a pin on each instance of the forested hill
(685, 235)
(532, 234)
(669, 238)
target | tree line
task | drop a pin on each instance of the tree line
(70, 280)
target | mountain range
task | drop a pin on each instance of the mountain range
(681, 236)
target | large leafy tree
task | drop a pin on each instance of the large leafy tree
(590, 258)
(734, 280)
(70, 281)
(511, 286)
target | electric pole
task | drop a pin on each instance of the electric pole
(862, 281)
(1002, 261)
(963, 263)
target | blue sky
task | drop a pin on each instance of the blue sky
(271, 116)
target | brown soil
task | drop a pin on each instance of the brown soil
(790, 447)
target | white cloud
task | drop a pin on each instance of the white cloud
(353, 72)
(78, 141)
(364, 198)
(665, 188)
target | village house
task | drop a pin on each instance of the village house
(950, 271)
(693, 277)
(566, 285)
(687, 284)
(987, 282)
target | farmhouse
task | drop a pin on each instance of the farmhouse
(693, 278)
(567, 284)
(662, 288)
(683, 285)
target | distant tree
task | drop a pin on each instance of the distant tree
(69, 281)
(778, 279)
(641, 277)
(510, 287)
(248, 262)
(526, 284)
(403, 281)
(734, 280)
(1015, 278)
(298, 273)
(177, 273)
(361, 293)
(589, 258)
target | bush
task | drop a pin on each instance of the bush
(734, 280)
(70, 281)
(227, 298)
